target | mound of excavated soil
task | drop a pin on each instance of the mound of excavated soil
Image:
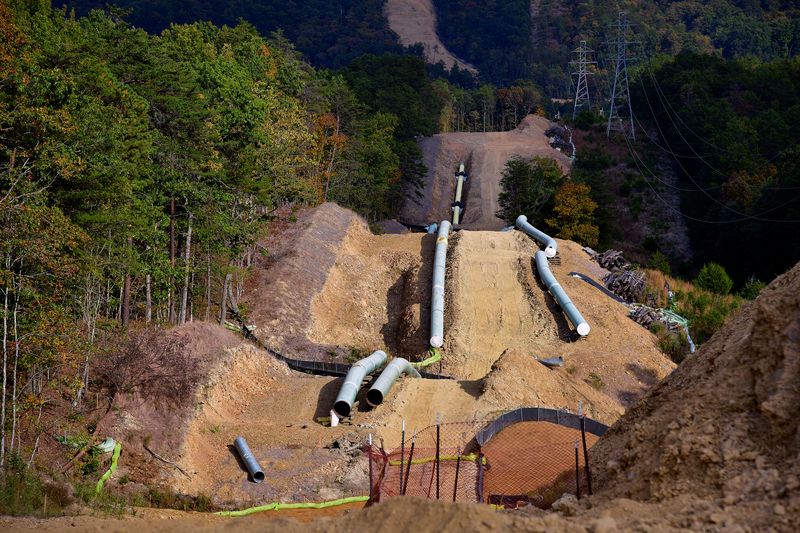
(377, 294)
(724, 424)
(495, 302)
(485, 156)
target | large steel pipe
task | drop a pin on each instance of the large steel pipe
(352, 381)
(384, 383)
(249, 460)
(437, 298)
(550, 244)
(460, 176)
(561, 297)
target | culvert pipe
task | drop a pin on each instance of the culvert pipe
(550, 244)
(352, 381)
(380, 388)
(458, 207)
(437, 295)
(249, 460)
(560, 296)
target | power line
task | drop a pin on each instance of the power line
(620, 92)
(582, 86)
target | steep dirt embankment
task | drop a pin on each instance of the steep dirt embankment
(485, 155)
(724, 424)
(414, 21)
(495, 302)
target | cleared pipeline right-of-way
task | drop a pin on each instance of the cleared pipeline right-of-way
(458, 207)
(437, 297)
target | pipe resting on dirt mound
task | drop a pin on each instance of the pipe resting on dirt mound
(560, 296)
(249, 460)
(384, 383)
(352, 382)
(437, 298)
(550, 244)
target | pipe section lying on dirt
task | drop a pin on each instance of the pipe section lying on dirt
(384, 383)
(352, 382)
(558, 293)
(460, 176)
(249, 460)
(437, 298)
(550, 244)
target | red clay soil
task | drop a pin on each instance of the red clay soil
(535, 460)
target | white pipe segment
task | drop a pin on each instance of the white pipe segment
(460, 176)
(550, 244)
(383, 384)
(437, 295)
(352, 382)
(560, 296)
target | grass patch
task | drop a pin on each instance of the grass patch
(596, 381)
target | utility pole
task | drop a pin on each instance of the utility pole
(620, 94)
(582, 87)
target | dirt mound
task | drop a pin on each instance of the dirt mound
(414, 21)
(376, 296)
(724, 424)
(496, 302)
(517, 379)
(485, 155)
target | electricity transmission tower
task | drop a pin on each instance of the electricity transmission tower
(582, 87)
(620, 95)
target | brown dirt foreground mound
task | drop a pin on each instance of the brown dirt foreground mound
(724, 424)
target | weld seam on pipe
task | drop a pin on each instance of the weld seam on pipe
(437, 296)
(352, 381)
(550, 244)
(560, 295)
(249, 460)
(381, 387)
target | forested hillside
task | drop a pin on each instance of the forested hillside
(522, 39)
(328, 33)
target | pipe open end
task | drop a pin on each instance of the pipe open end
(583, 329)
(258, 477)
(342, 408)
(522, 218)
(437, 342)
(374, 397)
(550, 251)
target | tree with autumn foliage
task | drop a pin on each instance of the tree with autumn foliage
(573, 212)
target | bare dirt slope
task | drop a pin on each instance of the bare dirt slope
(485, 155)
(724, 425)
(495, 303)
(414, 21)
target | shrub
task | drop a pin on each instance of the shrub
(751, 289)
(659, 261)
(713, 277)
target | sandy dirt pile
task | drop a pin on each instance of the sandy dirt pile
(377, 294)
(724, 424)
(414, 21)
(485, 155)
(495, 302)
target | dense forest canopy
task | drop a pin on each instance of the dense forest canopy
(730, 127)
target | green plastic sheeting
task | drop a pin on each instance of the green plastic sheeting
(434, 358)
(111, 469)
(277, 506)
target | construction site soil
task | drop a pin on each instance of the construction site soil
(485, 156)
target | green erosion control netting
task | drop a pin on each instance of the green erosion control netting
(277, 506)
(113, 468)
